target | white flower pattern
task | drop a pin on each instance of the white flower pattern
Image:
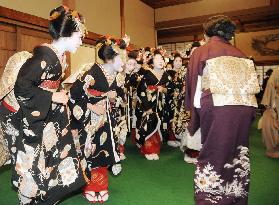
(209, 182)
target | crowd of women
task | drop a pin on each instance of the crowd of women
(60, 140)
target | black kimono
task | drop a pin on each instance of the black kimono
(95, 141)
(150, 97)
(181, 116)
(46, 165)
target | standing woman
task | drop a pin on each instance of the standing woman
(151, 93)
(46, 164)
(180, 116)
(92, 98)
(220, 94)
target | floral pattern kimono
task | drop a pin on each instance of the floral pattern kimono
(95, 139)
(222, 173)
(46, 165)
(149, 97)
(131, 83)
(181, 116)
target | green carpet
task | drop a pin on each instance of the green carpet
(168, 181)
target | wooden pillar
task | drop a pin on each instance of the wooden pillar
(122, 17)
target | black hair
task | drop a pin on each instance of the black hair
(133, 54)
(106, 52)
(176, 55)
(196, 44)
(156, 52)
(63, 24)
(269, 72)
(221, 26)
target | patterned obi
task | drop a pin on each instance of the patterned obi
(50, 85)
(154, 87)
(231, 80)
(95, 93)
(10, 102)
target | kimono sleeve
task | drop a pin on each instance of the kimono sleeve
(34, 102)
(170, 85)
(142, 94)
(134, 80)
(194, 70)
(78, 104)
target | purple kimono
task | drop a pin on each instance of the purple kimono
(223, 168)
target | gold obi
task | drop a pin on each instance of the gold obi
(11, 70)
(231, 80)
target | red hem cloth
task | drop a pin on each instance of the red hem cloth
(121, 148)
(152, 145)
(99, 180)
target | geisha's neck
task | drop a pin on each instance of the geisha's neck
(177, 69)
(108, 67)
(157, 69)
(60, 47)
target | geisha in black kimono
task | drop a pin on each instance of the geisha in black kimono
(131, 81)
(92, 98)
(151, 93)
(178, 115)
(47, 167)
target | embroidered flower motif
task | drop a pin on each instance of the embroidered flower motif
(25, 160)
(65, 151)
(77, 112)
(41, 162)
(103, 138)
(209, 182)
(28, 187)
(67, 171)
(50, 137)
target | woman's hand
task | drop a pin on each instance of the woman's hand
(98, 109)
(60, 97)
(112, 94)
(148, 112)
(162, 89)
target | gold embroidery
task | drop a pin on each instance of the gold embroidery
(11, 70)
(231, 80)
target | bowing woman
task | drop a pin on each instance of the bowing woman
(92, 100)
(46, 163)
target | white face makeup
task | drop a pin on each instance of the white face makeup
(158, 61)
(177, 63)
(130, 65)
(117, 64)
(73, 42)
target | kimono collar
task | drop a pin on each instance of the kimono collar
(217, 38)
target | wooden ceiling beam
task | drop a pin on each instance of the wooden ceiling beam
(155, 4)
(246, 14)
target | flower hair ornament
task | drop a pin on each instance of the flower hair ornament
(118, 45)
(70, 13)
